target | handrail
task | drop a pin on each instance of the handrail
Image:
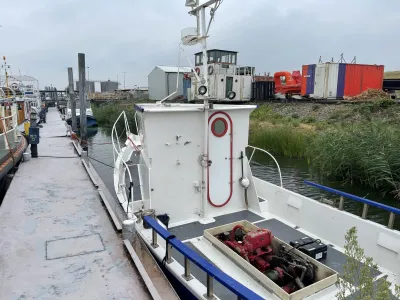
(12, 129)
(276, 162)
(393, 211)
(212, 271)
(119, 152)
(8, 117)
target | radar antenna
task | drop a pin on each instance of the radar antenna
(194, 35)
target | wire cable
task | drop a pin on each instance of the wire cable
(53, 156)
(100, 162)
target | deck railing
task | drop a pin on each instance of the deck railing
(117, 151)
(367, 203)
(212, 271)
(270, 155)
(9, 126)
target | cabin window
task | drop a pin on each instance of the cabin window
(219, 127)
(224, 57)
(211, 57)
(217, 56)
(283, 80)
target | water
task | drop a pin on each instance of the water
(294, 172)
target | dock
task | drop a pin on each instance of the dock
(57, 239)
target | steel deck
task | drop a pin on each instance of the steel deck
(56, 239)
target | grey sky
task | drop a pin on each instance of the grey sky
(43, 37)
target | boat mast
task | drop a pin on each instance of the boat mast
(200, 12)
(5, 71)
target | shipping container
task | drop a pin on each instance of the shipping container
(360, 78)
(338, 80)
(262, 90)
(326, 81)
(308, 80)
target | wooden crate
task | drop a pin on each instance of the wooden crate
(325, 276)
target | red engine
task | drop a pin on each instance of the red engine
(286, 269)
(254, 246)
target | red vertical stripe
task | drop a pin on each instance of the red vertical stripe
(304, 79)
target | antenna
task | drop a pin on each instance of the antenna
(194, 35)
(192, 3)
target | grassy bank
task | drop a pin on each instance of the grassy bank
(107, 114)
(354, 143)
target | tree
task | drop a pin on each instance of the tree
(358, 279)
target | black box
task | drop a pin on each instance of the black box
(311, 247)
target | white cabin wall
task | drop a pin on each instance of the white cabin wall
(246, 88)
(221, 86)
(237, 86)
(172, 184)
(213, 84)
(240, 120)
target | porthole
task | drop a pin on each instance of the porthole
(219, 127)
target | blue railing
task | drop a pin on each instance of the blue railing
(393, 211)
(212, 272)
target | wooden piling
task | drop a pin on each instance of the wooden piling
(82, 100)
(72, 98)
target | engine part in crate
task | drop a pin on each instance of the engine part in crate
(303, 276)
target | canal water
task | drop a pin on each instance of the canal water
(294, 172)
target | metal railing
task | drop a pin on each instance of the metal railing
(118, 151)
(392, 210)
(144, 180)
(14, 122)
(212, 271)
(266, 152)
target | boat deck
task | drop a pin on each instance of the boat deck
(192, 233)
(56, 239)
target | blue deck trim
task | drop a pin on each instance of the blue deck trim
(353, 197)
(227, 281)
(138, 108)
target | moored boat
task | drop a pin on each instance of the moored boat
(185, 180)
(12, 142)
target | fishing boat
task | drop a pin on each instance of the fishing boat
(184, 179)
(12, 142)
(27, 96)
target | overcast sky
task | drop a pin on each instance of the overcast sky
(42, 38)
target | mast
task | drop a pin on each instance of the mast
(5, 72)
(200, 12)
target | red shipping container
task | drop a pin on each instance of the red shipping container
(360, 78)
(304, 73)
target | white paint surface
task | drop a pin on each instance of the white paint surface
(326, 80)
(219, 152)
(331, 224)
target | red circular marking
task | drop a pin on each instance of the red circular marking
(213, 130)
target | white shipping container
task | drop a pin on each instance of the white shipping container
(326, 81)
